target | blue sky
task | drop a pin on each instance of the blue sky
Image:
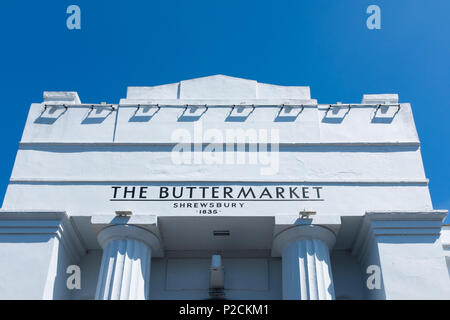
(324, 44)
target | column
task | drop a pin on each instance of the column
(125, 269)
(306, 268)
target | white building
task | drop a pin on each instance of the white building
(337, 207)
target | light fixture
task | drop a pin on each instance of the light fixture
(123, 213)
(305, 214)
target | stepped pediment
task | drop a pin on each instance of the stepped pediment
(219, 87)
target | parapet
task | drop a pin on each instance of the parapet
(218, 87)
(61, 97)
(152, 114)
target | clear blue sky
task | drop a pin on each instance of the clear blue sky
(324, 44)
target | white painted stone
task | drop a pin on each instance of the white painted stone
(307, 271)
(268, 91)
(125, 270)
(306, 264)
(167, 91)
(406, 246)
(218, 87)
(380, 98)
(53, 97)
(445, 238)
(88, 197)
(126, 263)
(154, 163)
(36, 247)
(365, 158)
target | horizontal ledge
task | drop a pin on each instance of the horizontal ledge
(64, 230)
(394, 215)
(213, 181)
(419, 215)
(293, 144)
(69, 105)
(212, 200)
(230, 104)
(438, 211)
(405, 234)
(31, 214)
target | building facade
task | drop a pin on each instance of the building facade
(221, 188)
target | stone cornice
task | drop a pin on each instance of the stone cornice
(36, 222)
(396, 223)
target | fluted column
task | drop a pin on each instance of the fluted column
(306, 269)
(126, 262)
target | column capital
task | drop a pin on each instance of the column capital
(302, 232)
(127, 231)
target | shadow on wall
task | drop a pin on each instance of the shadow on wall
(347, 276)
(288, 114)
(373, 259)
(192, 113)
(382, 114)
(144, 113)
(239, 113)
(336, 114)
(42, 274)
(96, 115)
(385, 114)
(60, 289)
(50, 114)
